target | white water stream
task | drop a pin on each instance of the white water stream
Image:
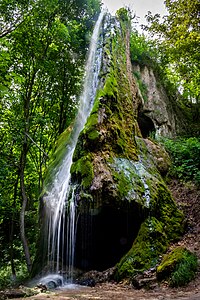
(60, 195)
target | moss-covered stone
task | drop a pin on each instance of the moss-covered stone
(110, 128)
(150, 242)
(178, 267)
(115, 172)
(120, 168)
(90, 129)
(58, 155)
(83, 168)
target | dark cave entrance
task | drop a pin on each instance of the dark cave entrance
(146, 125)
(103, 239)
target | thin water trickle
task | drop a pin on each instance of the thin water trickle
(57, 198)
(71, 238)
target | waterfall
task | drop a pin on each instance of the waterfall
(60, 196)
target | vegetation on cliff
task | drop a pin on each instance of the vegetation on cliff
(43, 51)
(178, 267)
(178, 39)
(126, 162)
(43, 48)
(185, 153)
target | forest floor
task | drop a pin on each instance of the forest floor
(188, 200)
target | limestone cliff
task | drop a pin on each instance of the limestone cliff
(158, 114)
(127, 215)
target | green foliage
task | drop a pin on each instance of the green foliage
(179, 267)
(149, 244)
(6, 278)
(43, 48)
(146, 52)
(143, 51)
(123, 14)
(185, 154)
(83, 168)
(178, 38)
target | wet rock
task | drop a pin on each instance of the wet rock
(93, 277)
(42, 287)
(13, 293)
(20, 292)
(159, 155)
(140, 282)
(167, 117)
(86, 282)
(51, 281)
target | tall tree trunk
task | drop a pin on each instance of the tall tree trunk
(12, 229)
(23, 157)
(24, 204)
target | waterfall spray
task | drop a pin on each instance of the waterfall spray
(61, 195)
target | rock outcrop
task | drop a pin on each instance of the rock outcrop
(127, 215)
(158, 114)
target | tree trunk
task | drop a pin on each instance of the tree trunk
(23, 209)
(12, 229)
(24, 153)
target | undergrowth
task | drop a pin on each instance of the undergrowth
(185, 155)
(185, 271)
(178, 267)
(7, 280)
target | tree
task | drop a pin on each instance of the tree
(42, 55)
(179, 38)
(14, 13)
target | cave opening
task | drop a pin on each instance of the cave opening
(146, 125)
(104, 238)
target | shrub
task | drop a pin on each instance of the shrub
(178, 267)
(185, 155)
(6, 278)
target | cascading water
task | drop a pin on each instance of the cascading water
(60, 195)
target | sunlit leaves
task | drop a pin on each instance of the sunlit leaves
(42, 57)
(179, 36)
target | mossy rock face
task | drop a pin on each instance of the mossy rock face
(59, 152)
(124, 173)
(111, 127)
(178, 267)
(150, 242)
(116, 177)
(160, 156)
(163, 225)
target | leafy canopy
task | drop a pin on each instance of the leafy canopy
(178, 36)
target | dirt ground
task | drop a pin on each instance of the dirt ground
(109, 291)
(188, 200)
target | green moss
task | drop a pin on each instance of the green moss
(164, 226)
(111, 129)
(129, 184)
(124, 185)
(83, 169)
(110, 126)
(164, 207)
(111, 88)
(178, 267)
(90, 132)
(93, 135)
(117, 101)
(58, 155)
(90, 129)
(150, 242)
